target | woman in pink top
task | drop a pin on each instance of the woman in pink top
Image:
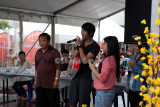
(106, 73)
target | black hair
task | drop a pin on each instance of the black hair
(113, 49)
(63, 51)
(45, 35)
(21, 52)
(10, 50)
(89, 27)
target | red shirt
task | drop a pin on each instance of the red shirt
(46, 65)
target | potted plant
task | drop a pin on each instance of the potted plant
(4, 25)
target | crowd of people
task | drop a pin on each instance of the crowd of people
(49, 63)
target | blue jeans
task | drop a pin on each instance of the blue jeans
(104, 98)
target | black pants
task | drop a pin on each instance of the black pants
(134, 98)
(48, 97)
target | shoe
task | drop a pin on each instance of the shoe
(25, 99)
(33, 100)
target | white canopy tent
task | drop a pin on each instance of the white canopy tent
(68, 12)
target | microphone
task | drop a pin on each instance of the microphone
(73, 40)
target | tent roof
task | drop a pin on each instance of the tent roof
(90, 9)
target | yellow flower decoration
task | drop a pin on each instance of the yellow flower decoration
(122, 56)
(159, 49)
(137, 38)
(136, 77)
(146, 35)
(155, 82)
(143, 50)
(143, 88)
(149, 56)
(151, 89)
(153, 100)
(149, 80)
(146, 30)
(157, 91)
(151, 61)
(149, 41)
(84, 105)
(139, 43)
(146, 97)
(141, 94)
(141, 103)
(144, 73)
(157, 22)
(157, 36)
(145, 66)
(150, 73)
(158, 80)
(143, 58)
(152, 35)
(154, 50)
(147, 105)
(141, 79)
(155, 63)
(158, 57)
(158, 10)
(143, 21)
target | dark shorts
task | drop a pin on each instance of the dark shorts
(80, 90)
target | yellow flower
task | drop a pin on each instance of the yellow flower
(143, 21)
(157, 22)
(144, 73)
(157, 36)
(155, 70)
(141, 94)
(146, 30)
(150, 73)
(136, 77)
(151, 61)
(149, 56)
(122, 56)
(84, 105)
(141, 103)
(143, 88)
(154, 50)
(159, 49)
(152, 35)
(153, 100)
(157, 91)
(146, 35)
(155, 82)
(146, 97)
(149, 41)
(137, 38)
(158, 57)
(147, 105)
(158, 10)
(139, 43)
(149, 80)
(141, 79)
(143, 58)
(152, 90)
(155, 63)
(158, 80)
(143, 50)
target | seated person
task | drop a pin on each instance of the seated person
(65, 59)
(10, 58)
(18, 85)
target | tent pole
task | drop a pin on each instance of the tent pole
(38, 38)
(21, 33)
(99, 39)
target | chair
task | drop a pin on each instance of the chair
(116, 99)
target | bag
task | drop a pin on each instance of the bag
(75, 67)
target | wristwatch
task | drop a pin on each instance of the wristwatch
(80, 46)
(56, 78)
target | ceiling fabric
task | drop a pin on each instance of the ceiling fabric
(69, 12)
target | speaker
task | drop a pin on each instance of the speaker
(135, 12)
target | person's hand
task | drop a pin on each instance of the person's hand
(68, 71)
(132, 63)
(34, 85)
(56, 84)
(79, 41)
(91, 66)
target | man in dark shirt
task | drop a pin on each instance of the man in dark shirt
(47, 72)
(87, 49)
(65, 59)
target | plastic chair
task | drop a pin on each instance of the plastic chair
(116, 99)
